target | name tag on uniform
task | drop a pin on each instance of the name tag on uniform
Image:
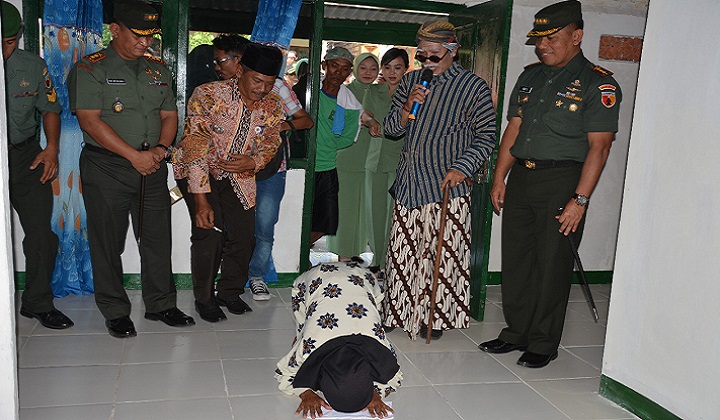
(157, 83)
(119, 82)
(525, 89)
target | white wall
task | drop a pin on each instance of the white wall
(598, 245)
(663, 331)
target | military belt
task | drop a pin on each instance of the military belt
(546, 164)
(18, 146)
(100, 150)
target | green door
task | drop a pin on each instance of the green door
(484, 33)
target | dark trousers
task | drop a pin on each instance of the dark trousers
(33, 202)
(111, 191)
(537, 263)
(228, 251)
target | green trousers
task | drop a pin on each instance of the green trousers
(33, 203)
(537, 263)
(111, 192)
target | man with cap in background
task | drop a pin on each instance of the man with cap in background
(124, 103)
(451, 137)
(29, 90)
(563, 116)
(338, 127)
(231, 132)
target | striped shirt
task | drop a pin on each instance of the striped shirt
(454, 129)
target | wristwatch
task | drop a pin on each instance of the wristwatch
(581, 199)
(165, 148)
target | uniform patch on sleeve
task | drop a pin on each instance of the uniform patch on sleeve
(52, 96)
(608, 97)
(95, 57)
(602, 72)
(48, 82)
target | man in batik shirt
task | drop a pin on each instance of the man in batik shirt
(231, 133)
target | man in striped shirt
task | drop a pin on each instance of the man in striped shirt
(451, 136)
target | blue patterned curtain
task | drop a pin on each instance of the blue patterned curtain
(71, 29)
(275, 22)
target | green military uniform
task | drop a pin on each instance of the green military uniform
(130, 95)
(558, 107)
(29, 90)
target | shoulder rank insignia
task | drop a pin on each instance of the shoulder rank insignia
(602, 72)
(533, 64)
(95, 57)
(156, 60)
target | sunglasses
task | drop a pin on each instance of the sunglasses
(434, 58)
(222, 60)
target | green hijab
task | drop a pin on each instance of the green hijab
(373, 97)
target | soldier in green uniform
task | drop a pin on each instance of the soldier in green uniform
(124, 99)
(28, 90)
(563, 116)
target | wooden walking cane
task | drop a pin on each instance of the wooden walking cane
(438, 255)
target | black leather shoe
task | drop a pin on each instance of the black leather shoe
(174, 317)
(210, 313)
(498, 346)
(237, 307)
(122, 327)
(52, 319)
(434, 334)
(534, 360)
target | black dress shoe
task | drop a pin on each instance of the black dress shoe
(210, 313)
(173, 317)
(237, 307)
(122, 327)
(534, 360)
(52, 319)
(498, 346)
(434, 334)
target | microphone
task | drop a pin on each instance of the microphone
(425, 78)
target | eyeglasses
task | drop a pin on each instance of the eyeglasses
(222, 60)
(434, 58)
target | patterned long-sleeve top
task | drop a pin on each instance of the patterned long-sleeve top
(218, 124)
(454, 129)
(329, 301)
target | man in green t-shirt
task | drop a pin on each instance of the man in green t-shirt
(338, 127)
(29, 90)
(124, 100)
(563, 116)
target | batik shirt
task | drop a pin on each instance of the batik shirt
(218, 124)
(330, 301)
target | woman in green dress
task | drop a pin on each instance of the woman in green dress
(351, 238)
(382, 160)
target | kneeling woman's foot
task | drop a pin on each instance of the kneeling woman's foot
(434, 334)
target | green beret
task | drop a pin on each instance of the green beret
(11, 20)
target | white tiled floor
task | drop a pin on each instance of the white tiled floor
(225, 370)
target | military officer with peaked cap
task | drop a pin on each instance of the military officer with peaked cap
(29, 90)
(563, 116)
(123, 99)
